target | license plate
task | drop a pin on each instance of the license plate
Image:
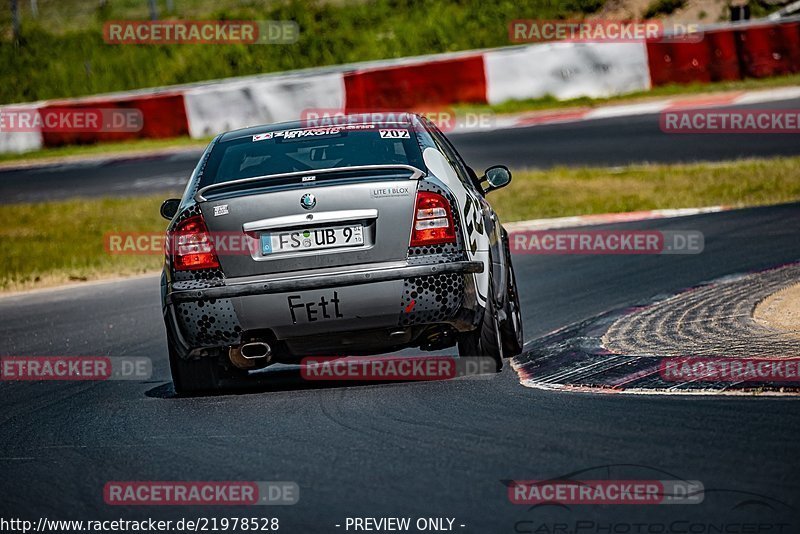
(314, 239)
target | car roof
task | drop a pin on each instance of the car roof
(389, 119)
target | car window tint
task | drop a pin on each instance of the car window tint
(450, 153)
(245, 158)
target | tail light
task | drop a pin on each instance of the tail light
(190, 246)
(433, 221)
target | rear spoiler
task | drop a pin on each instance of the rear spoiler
(416, 174)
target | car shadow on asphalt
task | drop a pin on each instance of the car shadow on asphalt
(280, 378)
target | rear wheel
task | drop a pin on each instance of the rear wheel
(484, 341)
(511, 326)
(194, 376)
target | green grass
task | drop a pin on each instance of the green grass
(57, 242)
(663, 7)
(70, 15)
(563, 191)
(62, 53)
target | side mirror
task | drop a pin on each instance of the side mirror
(497, 176)
(170, 207)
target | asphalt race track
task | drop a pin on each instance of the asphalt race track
(433, 449)
(616, 141)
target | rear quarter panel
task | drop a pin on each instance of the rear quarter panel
(472, 211)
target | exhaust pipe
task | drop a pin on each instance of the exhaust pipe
(246, 356)
(254, 351)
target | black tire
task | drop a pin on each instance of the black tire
(511, 327)
(484, 341)
(194, 376)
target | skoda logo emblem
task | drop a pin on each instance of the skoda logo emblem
(308, 201)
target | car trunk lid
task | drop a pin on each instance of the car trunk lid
(293, 223)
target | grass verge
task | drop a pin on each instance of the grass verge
(560, 192)
(52, 243)
(58, 242)
(330, 33)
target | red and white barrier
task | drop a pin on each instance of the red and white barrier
(230, 105)
(416, 84)
(17, 142)
(163, 116)
(566, 70)
(756, 50)
(563, 70)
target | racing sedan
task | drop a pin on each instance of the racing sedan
(360, 237)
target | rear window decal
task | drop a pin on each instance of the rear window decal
(299, 133)
(395, 133)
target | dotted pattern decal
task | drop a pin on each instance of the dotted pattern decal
(436, 298)
(199, 279)
(190, 211)
(209, 322)
(427, 255)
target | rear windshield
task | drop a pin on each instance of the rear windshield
(311, 149)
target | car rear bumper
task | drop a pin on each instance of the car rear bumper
(310, 282)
